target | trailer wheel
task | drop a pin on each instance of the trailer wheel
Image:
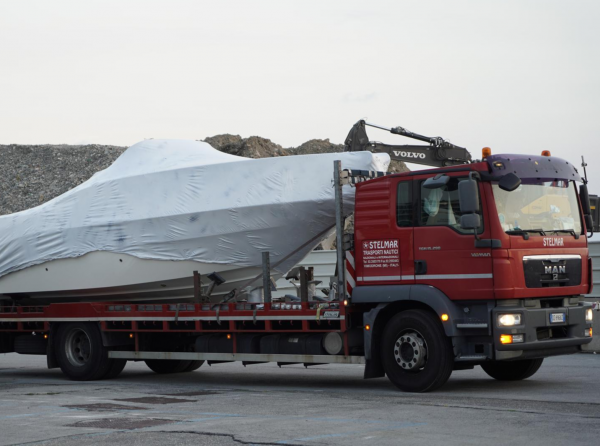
(80, 353)
(416, 353)
(164, 366)
(512, 370)
(194, 365)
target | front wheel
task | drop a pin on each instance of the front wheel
(416, 353)
(512, 370)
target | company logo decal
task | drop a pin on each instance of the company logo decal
(554, 241)
(382, 254)
(381, 244)
(409, 154)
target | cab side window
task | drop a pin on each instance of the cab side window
(404, 205)
(441, 207)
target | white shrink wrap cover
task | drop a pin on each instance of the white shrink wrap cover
(183, 200)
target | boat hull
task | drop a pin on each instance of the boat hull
(107, 276)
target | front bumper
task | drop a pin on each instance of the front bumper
(541, 337)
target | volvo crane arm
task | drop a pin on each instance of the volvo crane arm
(439, 152)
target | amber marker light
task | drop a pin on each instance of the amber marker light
(346, 302)
(546, 153)
(45, 336)
(506, 339)
(130, 335)
(485, 152)
(445, 317)
(228, 336)
(367, 327)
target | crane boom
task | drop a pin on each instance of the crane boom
(439, 152)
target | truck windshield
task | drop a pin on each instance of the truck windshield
(539, 206)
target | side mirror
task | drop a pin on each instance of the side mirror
(468, 196)
(470, 221)
(595, 207)
(436, 182)
(585, 200)
(589, 223)
(586, 207)
(509, 182)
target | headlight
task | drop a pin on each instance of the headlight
(508, 320)
(589, 315)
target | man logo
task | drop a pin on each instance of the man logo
(560, 269)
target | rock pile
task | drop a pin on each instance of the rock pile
(33, 174)
(253, 147)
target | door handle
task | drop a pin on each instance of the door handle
(420, 267)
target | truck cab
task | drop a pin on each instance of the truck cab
(503, 276)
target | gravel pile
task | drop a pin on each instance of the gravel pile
(33, 174)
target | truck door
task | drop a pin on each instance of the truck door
(383, 224)
(445, 254)
(402, 230)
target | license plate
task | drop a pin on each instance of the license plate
(556, 318)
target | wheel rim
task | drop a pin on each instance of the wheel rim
(78, 348)
(410, 351)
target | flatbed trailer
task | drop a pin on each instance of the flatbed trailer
(128, 324)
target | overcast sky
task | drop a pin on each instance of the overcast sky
(518, 76)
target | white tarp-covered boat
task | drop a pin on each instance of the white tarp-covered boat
(167, 208)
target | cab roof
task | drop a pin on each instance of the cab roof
(533, 167)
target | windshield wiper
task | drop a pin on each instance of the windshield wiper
(568, 231)
(525, 232)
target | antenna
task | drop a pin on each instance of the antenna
(584, 165)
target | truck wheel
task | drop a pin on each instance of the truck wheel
(416, 354)
(194, 365)
(80, 353)
(512, 370)
(164, 366)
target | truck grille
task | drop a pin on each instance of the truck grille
(546, 271)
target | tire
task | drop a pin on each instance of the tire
(194, 365)
(165, 366)
(80, 353)
(116, 368)
(512, 370)
(416, 354)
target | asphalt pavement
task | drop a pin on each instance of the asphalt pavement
(227, 404)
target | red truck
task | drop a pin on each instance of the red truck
(470, 263)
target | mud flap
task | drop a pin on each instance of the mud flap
(50, 353)
(373, 369)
